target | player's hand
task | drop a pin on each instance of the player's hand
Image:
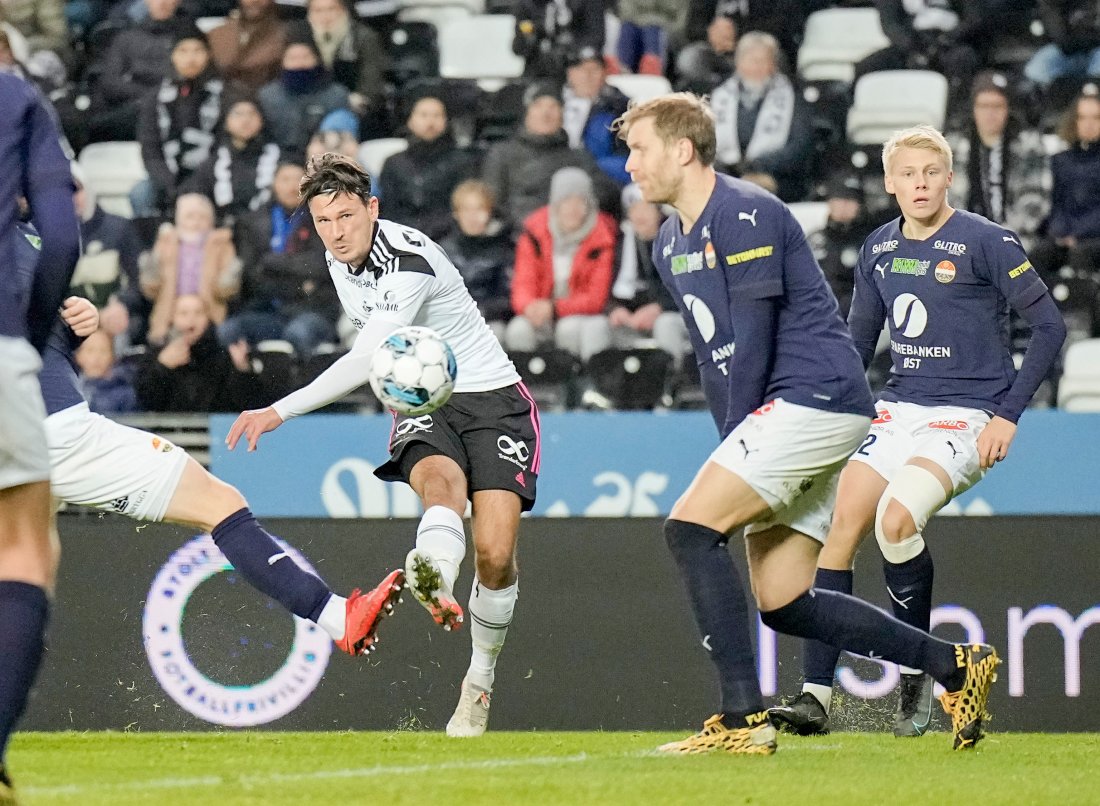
(80, 315)
(250, 425)
(175, 354)
(994, 441)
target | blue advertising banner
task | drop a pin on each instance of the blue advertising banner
(621, 464)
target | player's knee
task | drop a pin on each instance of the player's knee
(910, 499)
(896, 523)
(684, 536)
(788, 615)
(496, 567)
(222, 501)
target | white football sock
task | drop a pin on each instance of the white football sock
(824, 694)
(333, 617)
(440, 535)
(490, 614)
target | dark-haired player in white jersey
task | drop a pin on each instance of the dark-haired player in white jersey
(33, 166)
(483, 445)
(788, 394)
(943, 279)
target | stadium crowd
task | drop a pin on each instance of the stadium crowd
(214, 294)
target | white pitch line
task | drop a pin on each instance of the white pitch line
(318, 775)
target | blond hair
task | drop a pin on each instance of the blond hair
(678, 115)
(473, 187)
(923, 137)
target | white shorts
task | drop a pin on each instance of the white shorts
(23, 458)
(791, 456)
(96, 462)
(946, 435)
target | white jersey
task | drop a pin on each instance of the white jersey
(409, 279)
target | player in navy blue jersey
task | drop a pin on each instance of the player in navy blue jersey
(788, 394)
(943, 280)
(33, 167)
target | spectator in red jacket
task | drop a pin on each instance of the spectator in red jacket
(564, 264)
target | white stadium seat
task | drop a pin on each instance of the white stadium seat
(640, 88)
(112, 170)
(811, 216)
(1079, 387)
(437, 15)
(835, 39)
(374, 153)
(208, 24)
(479, 47)
(889, 100)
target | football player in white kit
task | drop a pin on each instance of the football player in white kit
(482, 445)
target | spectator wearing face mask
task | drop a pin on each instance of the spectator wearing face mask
(295, 104)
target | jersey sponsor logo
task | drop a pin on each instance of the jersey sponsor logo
(687, 263)
(414, 425)
(1016, 272)
(120, 504)
(910, 266)
(910, 315)
(953, 247)
(750, 217)
(512, 451)
(750, 254)
(720, 355)
(767, 407)
(945, 271)
(882, 416)
(1009, 239)
(885, 246)
(881, 269)
(704, 319)
(709, 256)
(388, 303)
(668, 247)
(950, 425)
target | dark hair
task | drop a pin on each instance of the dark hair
(334, 173)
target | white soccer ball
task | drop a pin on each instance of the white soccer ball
(413, 371)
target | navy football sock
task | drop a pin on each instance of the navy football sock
(721, 613)
(910, 587)
(267, 567)
(24, 610)
(854, 625)
(819, 661)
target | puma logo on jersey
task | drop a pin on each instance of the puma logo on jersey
(881, 269)
(751, 217)
(1009, 239)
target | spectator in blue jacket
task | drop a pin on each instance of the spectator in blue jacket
(589, 106)
(1073, 229)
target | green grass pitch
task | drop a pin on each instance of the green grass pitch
(175, 769)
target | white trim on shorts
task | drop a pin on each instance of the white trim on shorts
(99, 463)
(791, 456)
(23, 457)
(945, 435)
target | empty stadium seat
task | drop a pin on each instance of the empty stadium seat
(549, 374)
(480, 48)
(640, 88)
(1079, 387)
(811, 216)
(439, 15)
(633, 378)
(835, 39)
(274, 361)
(414, 52)
(112, 170)
(895, 99)
(374, 153)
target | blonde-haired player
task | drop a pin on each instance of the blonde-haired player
(943, 280)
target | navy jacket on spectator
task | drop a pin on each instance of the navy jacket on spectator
(1075, 202)
(416, 184)
(113, 394)
(485, 262)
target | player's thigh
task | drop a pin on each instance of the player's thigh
(23, 455)
(201, 499)
(25, 551)
(99, 463)
(782, 564)
(427, 453)
(501, 434)
(948, 438)
(858, 491)
(720, 500)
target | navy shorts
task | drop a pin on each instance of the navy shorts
(494, 436)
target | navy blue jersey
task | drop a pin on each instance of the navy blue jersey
(33, 166)
(58, 376)
(762, 319)
(946, 300)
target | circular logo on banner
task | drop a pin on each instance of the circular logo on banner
(945, 271)
(237, 706)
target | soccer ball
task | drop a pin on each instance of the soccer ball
(413, 371)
